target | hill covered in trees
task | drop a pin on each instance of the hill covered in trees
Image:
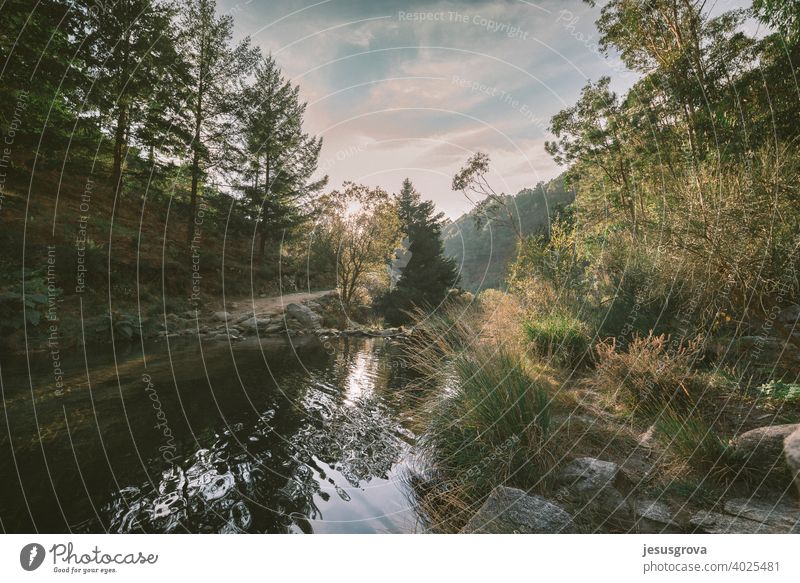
(482, 246)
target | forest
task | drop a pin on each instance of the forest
(633, 319)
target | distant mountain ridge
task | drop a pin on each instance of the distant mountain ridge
(483, 252)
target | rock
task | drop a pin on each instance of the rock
(791, 449)
(220, 316)
(243, 318)
(779, 515)
(253, 323)
(763, 447)
(388, 332)
(305, 316)
(233, 306)
(313, 306)
(789, 315)
(718, 523)
(655, 517)
(597, 488)
(273, 328)
(509, 510)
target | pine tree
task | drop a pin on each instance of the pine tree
(217, 70)
(131, 46)
(428, 275)
(280, 157)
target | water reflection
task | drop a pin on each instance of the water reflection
(325, 456)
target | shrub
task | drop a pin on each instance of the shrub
(780, 391)
(652, 375)
(558, 336)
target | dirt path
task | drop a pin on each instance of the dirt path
(274, 304)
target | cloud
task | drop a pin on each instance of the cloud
(412, 88)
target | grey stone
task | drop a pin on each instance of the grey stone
(220, 316)
(763, 447)
(789, 315)
(791, 449)
(254, 323)
(305, 316)
(655, 517)
(780, 515)
(718, 523)
(509, 510)
(597, 488)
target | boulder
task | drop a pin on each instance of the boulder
(220, 316)
(791, 449)
(509, 510)
(789, 315)
(763, 447)
(718, 523)
(597, 489)
(655, 517)
(253, 323)
(780, 515)
(305, 316)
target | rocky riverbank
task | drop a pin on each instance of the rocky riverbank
(593, 495)
(293, 315)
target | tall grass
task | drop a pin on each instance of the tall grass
(559, 337)
(487, 424)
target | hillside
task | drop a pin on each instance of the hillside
(482, 251)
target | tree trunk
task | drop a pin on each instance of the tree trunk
(119, 147)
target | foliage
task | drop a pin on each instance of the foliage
(483, 248)
(426, 278)
(778, 390)
(697, 444)
(488, 425)
(279, 157)
(361, 230)
(27, 299)
(653, 375)
(559, 337)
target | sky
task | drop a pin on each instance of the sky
(413, 88)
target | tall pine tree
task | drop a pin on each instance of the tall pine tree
(217, 70)
(428, 275)
(280, 157)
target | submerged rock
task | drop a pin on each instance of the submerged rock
(509, 510)
(789, 315)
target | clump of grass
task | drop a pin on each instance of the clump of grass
(559, 337)
(486, 424)
(695, 443)
(652, 375)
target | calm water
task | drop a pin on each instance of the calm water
(265, 438)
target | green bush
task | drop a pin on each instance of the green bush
(780, 391)
(558, 336)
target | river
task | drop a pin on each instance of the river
(266, 436)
